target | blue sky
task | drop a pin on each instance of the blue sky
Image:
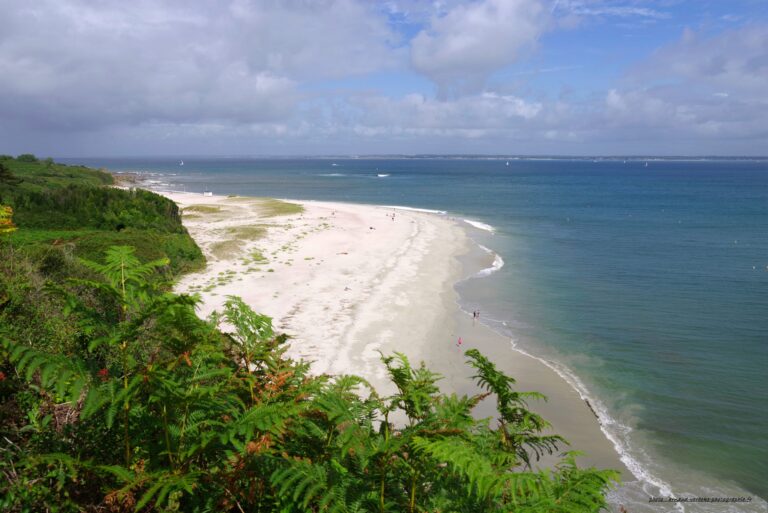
(301, 77)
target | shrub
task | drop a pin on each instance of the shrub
(162, 411)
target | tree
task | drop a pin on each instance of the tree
(7, 177)
(26, 157)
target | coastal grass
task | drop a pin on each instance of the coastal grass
(251, 232)
(226, 249)
(202, 209)
(270, 207)
(257, 257)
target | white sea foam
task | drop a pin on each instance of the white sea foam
(414, 209)
(480, 226)
(647, 484)
(497, 264)
(616, 432)
(332, 174)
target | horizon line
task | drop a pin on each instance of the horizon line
(493, 156)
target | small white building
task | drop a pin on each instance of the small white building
(207, 193)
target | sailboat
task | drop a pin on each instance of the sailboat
(181, 162)
(507, 162)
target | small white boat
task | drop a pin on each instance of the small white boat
(334, 164)
(646, 164)
(507, 162)
(382, 175)
(181, 162)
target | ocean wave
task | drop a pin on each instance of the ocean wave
(414, 209)
(497, 264)
(638, 461)
(332, 174)
(616, 432)
(480, 226)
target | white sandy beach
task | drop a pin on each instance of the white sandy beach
(344, 281)
(347, 281)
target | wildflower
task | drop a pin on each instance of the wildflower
(103, 374)
(2, 376)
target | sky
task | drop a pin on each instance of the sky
(106, 78)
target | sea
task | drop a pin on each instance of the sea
(642, 281)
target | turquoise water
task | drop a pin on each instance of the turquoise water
(648, 283)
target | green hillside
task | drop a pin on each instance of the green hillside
(71, 209)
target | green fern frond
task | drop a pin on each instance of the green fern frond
(67, 377)
(165, 484)
(122, 268)
(299, 477)
(248, 322)
(122, 398)
(462, 458)
(416, 387)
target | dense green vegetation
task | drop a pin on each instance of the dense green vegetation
(42, 175)
(61, 208)
(115, 396)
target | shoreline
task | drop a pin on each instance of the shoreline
(631, 442)
(604, 447)
(391, 266)
(390, 286)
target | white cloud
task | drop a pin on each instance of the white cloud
(320, 39)
(691, 101)
(461, 48)
(734, 60)
(81, 64)
(247, 76)
(477, 114)
(609, 9)
(697, 95)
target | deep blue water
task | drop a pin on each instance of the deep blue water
(649, 282)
